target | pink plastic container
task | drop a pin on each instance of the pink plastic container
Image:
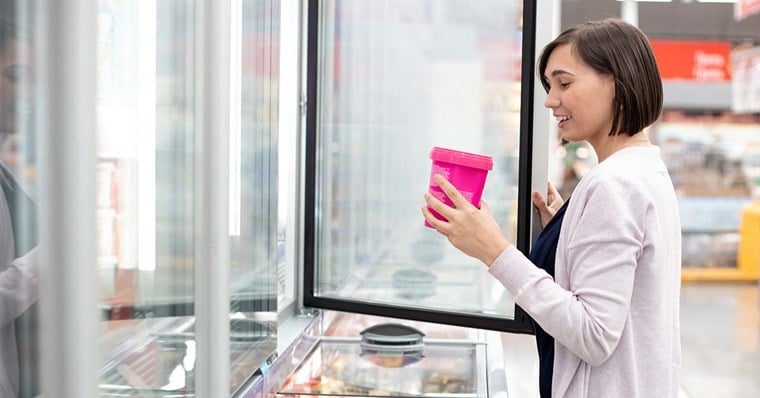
(466, 171)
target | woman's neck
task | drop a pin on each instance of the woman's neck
(610, 145)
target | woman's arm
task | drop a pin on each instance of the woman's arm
(19, 287)
(600, 260)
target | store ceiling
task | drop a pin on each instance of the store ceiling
(677, 19)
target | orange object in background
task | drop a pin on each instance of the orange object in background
(695, 61)
(748, 256)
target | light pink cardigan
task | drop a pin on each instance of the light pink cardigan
(613, 307)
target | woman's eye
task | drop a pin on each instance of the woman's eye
(564, 85)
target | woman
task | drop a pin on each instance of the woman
(612, 305)
(19, 284)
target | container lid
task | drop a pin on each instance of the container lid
(392, 345)
(461, 158)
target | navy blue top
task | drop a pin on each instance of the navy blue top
(543, 254)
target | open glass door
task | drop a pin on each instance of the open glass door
(387, 81)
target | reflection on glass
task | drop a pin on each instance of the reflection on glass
(253, 276)
(397, 78)
(156, 357)
(19, 318)
(147, 194)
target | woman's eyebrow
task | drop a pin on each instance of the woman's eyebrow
(558, 72)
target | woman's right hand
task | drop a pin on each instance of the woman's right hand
(547, 207)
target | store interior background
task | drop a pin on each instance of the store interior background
(710, 137)
(710, 128)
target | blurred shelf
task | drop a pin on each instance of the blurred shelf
(714, 274)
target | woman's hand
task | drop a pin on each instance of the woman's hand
(549, 206)
(471, 230)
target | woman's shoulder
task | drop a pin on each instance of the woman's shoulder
(627, 167)
(602, 177)
(611, 184)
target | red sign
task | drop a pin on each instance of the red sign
(702, 61)
(745, 8)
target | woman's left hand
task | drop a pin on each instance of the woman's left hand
(473, 231)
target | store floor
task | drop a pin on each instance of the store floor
(720, 339)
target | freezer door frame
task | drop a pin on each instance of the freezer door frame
(521, 323)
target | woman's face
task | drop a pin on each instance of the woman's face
(15, 67)
(580, 98)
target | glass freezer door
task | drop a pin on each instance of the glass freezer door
(152, 210)
(387, 81)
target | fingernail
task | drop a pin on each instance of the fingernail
(438, 178)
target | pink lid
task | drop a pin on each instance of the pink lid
(461, 158)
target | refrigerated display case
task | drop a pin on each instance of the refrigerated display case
(368, 261)
(365, 250)
(144, 158)
(333, 357)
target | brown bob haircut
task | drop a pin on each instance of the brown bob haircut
(615, 48)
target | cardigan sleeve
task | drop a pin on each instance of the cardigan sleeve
(601, 247)
(19, 287)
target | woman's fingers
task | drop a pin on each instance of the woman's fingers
(471, 230)
(539, 201)
(551, 189)
(438, 225)
(545, 212)
(553, 196)
(442, 208)
(460, 202)
(449, 213)
(484, 206)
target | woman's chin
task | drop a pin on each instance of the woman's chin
(566, 138)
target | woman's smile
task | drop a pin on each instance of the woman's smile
(562, 120)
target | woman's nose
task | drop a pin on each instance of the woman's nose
(552, 101)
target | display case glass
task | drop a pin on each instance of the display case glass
(156, 357)
(150, 191)
(20, 138)
(350, 354)
(338, 368)
(388, 80)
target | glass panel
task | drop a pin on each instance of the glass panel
(19, 322)
(147, 190)
(146, 150)
(289, 115)
(396, 78)
(145, 194)
(253, 274)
